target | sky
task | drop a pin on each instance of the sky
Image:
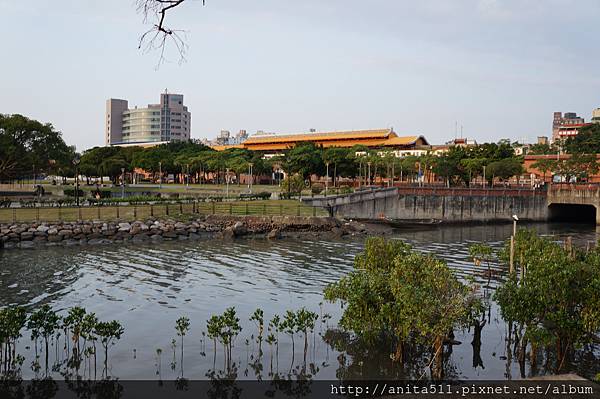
(498, 68)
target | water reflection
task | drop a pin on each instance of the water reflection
(148, 286)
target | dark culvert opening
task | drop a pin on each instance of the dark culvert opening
(573, 213)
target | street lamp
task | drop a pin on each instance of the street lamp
(159, 174)
(512, 245)
(187, 182)
(227, 183)
(250, 165)
(76, 163)
(122, 182)
(327, 178)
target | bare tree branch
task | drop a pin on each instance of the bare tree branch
(159, 35)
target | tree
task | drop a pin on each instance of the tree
(30, 147)
(587, 140)
(545, 165)
(505, 169)
(556, 296)
(398, 292)
(306, 159)
(339, 159)
(158, 35)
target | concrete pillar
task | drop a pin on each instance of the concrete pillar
(597, 215)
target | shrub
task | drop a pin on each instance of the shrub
(293, 185)
(317, 188)
(70, 192)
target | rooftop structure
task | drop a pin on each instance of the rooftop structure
(377, 138)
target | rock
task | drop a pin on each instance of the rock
(169, 234)
(337, 232)
(54, 238)
(26, 244)
(274, 234)
(227, 233)
(156, 237)
(239, 229)
(65, 232)
(26, 236)
(52, 231)
(124, 227)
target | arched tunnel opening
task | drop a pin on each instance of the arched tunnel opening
(572, 213)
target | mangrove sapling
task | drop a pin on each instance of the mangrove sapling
(230, 330)
(305, 322)
(275, 324)
(258, 319)
(182, 326)
(213, 329)
(158, 362)
(289, 327)
(74, 321)
(108, 332)
(12, 321)
(270, 340)
(88, 326)
(174, 361)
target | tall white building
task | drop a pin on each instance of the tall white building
(596, 115)
(157, 123)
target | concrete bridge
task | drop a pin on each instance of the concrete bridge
(464, 205)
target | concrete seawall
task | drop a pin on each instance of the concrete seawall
(439, 204)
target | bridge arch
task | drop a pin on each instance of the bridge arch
(573, 213)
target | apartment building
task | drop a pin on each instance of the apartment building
(167, 121)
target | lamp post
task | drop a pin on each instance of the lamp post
(250, 165)
(76, 164)
(326, 178)
(159, 174)
(512, 244)
(483, 184)
(227, 183)
(122, 182)
(187, 177)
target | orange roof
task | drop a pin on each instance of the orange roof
(319, 136)
(225, 147)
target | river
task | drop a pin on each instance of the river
(148, 286)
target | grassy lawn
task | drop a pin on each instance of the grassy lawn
(131, 212)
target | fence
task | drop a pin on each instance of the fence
(134, 212)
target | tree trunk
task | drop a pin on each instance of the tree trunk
(437, 372)
(399, 355)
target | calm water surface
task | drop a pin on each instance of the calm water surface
(147, 287)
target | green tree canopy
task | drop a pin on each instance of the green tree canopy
(27, 145)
